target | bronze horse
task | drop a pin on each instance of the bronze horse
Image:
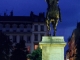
(53, 14)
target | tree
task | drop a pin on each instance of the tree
(77, 43)
(5, 47)
(20, 52)
(37, 54)
(78, 49)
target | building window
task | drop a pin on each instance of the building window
(28, 39)
(11, 26)
(14, 39)
(21, 30)
(21, 37)
(7, 26)
(29, 25)
(41, 36)
(28, 49)
(21, 27)
(35, 37)
(36, 20)
(35, 46)
(25, 26)
(4, 26)
(42, 19)
(7, 30)
(18, 26)
(36, 28)
(14, 26)
(29, 30)
(14, 30)
(42, 28)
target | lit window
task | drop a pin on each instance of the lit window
(36, 28)
(28, 49)
(42, 27)
(35, 47)
(67, 59)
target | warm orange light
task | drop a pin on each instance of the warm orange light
(28, 48)
(28, 59)
(35, 47)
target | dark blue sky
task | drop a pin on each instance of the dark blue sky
(69, 11)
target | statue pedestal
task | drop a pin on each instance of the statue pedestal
(52, 47)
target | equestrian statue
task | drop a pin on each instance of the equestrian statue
(53, 15)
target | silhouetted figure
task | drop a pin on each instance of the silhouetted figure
(11, 13)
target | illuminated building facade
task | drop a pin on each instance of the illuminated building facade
(29, 28)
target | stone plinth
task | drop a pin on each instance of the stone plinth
(52, 47)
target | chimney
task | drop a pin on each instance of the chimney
(31, 14)
(5, 14)
(41, 14)
(11, 13)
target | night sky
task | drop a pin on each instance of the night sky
(69, 12)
